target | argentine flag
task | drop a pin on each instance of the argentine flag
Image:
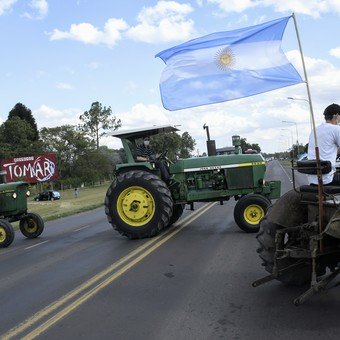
(226, 65)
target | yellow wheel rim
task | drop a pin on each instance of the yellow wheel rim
(3, 234)
(253, 214)
(30, 226)
(135, 206)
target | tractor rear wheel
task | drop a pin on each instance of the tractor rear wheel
(176, 213)
(6, 234)
(266, 238)
(249, 211)
(138, 204)
(31, 225)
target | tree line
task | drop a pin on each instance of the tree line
(81, 158)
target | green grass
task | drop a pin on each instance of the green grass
(88, 199)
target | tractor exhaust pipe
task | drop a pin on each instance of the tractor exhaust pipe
(211, 145)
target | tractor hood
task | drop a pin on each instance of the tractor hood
(12, 186)
(216, 162)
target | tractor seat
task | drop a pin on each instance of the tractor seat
(309, 167)
(327, 189)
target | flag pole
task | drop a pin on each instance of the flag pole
(317, 155)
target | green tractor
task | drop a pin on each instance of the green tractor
(140, 204)
(13, 207)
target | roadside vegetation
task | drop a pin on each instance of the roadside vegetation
(89, 198)
(81, 160)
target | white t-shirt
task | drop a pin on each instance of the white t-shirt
(328, 136)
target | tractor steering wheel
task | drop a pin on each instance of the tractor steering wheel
(162, 155)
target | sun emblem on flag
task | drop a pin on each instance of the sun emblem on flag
(225, 59)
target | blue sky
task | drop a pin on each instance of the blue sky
(59, 56)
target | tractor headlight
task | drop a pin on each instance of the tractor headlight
(14, 195)
(28, 193)
(262, 182)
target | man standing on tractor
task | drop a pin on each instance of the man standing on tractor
(145, 153)
(328, 134)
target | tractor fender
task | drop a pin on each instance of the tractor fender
(288, 211)
(333, 226)
(132, 168)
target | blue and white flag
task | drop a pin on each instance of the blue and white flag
(226, 65)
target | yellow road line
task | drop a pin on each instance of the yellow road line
(30, 322)
(77, 303)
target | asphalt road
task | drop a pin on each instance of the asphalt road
(81, 279)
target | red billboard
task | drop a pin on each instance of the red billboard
(32, 169)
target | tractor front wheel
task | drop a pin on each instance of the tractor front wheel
(31, 225)
(138, 204)
(249, 211)
(6, 234)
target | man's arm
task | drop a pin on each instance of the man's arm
(142, 158)
(337, 136)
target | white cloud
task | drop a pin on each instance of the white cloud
(64, 86)
(51, 117)
(164, 22)
(143, 115)
(6, 5)
(335, 52)
(130, 87)
(93, 65)
(234, 5)
(41, 6)
(140, 115)
(312, 8)
(89, 34)
(242, 19)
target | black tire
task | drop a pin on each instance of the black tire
(6, 234)
(249, 211)
(31, 225)
(124, 209)
(176, 213)
(266, 251)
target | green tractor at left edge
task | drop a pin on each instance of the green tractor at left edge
(140, 204)
(13, 207)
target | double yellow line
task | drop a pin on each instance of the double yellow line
(58, 309)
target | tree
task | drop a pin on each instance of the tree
(187, 145)
(95, 166)
(24, 113)
(96, 119)
(295, 149)
(175, 144)
(69, 144)
(17, 139)
(78, 159)
(245, 146)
